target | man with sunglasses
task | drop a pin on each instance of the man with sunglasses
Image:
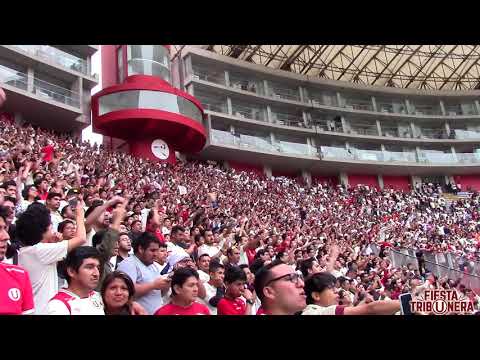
(280, 289)
(322, 300)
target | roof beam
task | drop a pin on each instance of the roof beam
(401, 66)
(252, 53)
(374, 57)
(306, 68)
(352, 62)
(272, 56)
(445, 82)
(332, 59)
(420, 69)
(293, 56)
(236, 50)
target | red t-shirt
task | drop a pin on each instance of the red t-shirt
(16, 296)
(157, 233)
(194, 309)
(231, 307)
(250, 255)
(48, 153)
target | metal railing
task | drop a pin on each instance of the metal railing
(41, 88)
(288, 119)
(213, 77)
(440, 264)
(360, 129)
(431, 133)
(13, 78)
(241, 83)
(279, 92)
(213, 104)
(248, 112)
(466, 134)
(58, 56)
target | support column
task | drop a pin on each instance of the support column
(442, 108)
(266, 88)
(380, 182)
(302, 94)
(267, 170)
(30, 79)
(229, 106)
(477, 106)
(227, 78)
(374, 103)
(307, 177)
(305, 119)
(447, 129)
(344, 179)
(339, 99)
(344, 124)
(269, 115)
(415, 180)
(379, 128)
(409, 108)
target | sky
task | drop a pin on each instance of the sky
(87, 133)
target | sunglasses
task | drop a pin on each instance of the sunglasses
(293, 278)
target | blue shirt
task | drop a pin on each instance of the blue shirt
(141, 274)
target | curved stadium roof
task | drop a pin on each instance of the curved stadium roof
(429, 67)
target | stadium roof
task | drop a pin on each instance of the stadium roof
(429, 67)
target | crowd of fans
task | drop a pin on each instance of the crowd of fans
(84, 230)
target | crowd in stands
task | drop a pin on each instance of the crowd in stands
(86, 230)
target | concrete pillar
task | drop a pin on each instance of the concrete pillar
(442, 108)
(190, 89)
(266, 88)
(409, 108)
(344, 179)
(269, 114)
(227, 78)
(267, 170)
(417, 152)
(344, 124)
(374, 103)
(447, 128)
(30, 79)
(414, 130)
(477, 106)
(379, 128)
(307, 177)
(305, 118)
(380, 182)
(339, 99)
(415, 180)
(229, 105)
(303, 98)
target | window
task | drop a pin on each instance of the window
(121, 67)
(147, 99)
(151, 60)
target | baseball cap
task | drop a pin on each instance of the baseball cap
(175, 258)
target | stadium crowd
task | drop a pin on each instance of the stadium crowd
(84, 230)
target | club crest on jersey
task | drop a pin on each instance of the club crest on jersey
(14, 294)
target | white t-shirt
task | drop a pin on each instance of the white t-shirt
(211, 250)
(91, 305)
(90, 235)
(40, 261)
(210, 291)
(204, 277)
(323, 310)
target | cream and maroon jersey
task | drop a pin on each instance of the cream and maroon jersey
(68, 303)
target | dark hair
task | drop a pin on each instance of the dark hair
(317, 283)
(4, 213)
(205, 254)
(234, 273)
(256, 265)
(26, 191)
(118, 275)
(32, 224)
(306, 265)
(181, 275)
(134, 222)
(64, 223)
(10, 198)
(8, 183)
(52, 194)
(176, 229)
(262, 276)
(243, 266)
(197, 237)
(215, 265)
(39, 181)
(75, 259)
(144, 240)
(259, 253)
(98, 237)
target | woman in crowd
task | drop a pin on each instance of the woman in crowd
(117, 293)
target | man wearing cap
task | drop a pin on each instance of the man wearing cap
(322, 300)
